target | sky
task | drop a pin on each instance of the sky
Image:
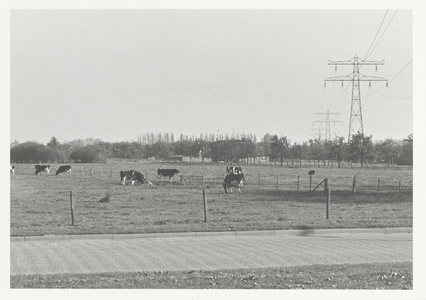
(115, 74)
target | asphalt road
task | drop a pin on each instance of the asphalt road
(207, 252)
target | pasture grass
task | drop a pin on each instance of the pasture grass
(40, 205)
(382, 276)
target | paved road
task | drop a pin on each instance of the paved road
(207, 252)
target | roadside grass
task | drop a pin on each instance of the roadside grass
(40, 205)
(382, 276)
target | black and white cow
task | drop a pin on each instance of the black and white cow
(63, 169)
(233, 180)
(12, 170)
(166, 173)
(42, 168)
(132, 176)
(234, 170)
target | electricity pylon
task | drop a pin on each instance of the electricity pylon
(355, 119)
(318, 134)
(327, 122)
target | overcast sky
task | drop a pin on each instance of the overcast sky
(117, 74)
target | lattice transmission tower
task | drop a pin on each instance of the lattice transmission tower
(327, 122)
(355, 119)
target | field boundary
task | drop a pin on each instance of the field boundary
(295, 232)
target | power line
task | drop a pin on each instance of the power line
(366, 55)
(350, 34)
(383, 32)
(391, 79)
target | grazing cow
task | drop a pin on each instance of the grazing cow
(42, 168)
(166, 173)
(311, 172)
(131, 176)
(63, 169)
(12, 170)
(234, 170)
(233, 180)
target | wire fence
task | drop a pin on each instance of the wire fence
(402, 182)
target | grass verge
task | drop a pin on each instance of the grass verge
(394, 276)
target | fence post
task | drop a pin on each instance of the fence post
(72, 209)
(327, 191)
(205, 205)
(325, 185)
(354, 185)
(310, 182)
(298, 178)
(378, 186)
(400, 186)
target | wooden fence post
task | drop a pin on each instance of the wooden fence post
(72, 209)
(378, 186)
(328, 203)
(298, 178)
(400, 186)
(325, 185)
(354, 185)
(205, 205)
(310, 182)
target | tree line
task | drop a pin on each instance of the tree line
(279, 150)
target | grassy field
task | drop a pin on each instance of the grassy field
(273, 198)
(394, 276)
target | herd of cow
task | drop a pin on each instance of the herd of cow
(45, 168)
(234, 175)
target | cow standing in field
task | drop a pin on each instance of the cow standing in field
(132, 176)
(233, 180)
(12, 170)
(63, 169)
(42, 168)
(166, 173)
(234, 170)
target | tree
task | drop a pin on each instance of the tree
(386, 150)
(53, 143)
(338, 149)
(14, 143)
(407, 149)
(316, 149)
(32, 152)
(280, 148)
(158, 149)
(296, 153)
(360, 148)
(247, 149)
(88, 154)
